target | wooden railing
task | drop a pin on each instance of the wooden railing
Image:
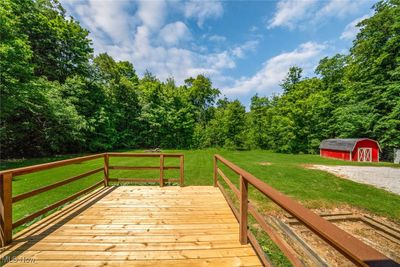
(6, 177)
(161, 167)
(352, 248)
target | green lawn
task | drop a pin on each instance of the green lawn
(313, 188)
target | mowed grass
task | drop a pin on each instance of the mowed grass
(286, 173)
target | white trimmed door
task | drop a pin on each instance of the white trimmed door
(365, 154)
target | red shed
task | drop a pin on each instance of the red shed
(354, 149)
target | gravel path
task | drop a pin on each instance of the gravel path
(381, 177)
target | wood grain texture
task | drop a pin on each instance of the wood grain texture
(161, 170)
(243, 211)
(182, 170)
(106, 169)
(137, 226)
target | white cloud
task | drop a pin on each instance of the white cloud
(351, 29)
(289, 12)
(300, 13)
(221, 60)
(268, 78)
(167, 61)
(173, 33)
(151, 13)
(202, 10)
(141, 33)
(340, 8)
(239, 51)
(217, 38)
(102, 19)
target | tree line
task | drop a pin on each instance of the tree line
(57, 97)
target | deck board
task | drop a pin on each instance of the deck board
(137, 226)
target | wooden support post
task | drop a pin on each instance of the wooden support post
(215, 172)
(182, 171)
(6, 209)
(161, 170)
(243, 211)
(106, 169)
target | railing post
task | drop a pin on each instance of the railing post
(161, 170)
(243, 210)
(181, 176)
(6, 209)
(215, 171)
(106, 170)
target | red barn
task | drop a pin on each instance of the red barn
(354, 149)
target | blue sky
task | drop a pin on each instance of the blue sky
(245, 47)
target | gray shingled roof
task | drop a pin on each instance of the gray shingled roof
(347, 144)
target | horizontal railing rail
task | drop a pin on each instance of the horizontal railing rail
(55, 205)
(50, 165)
(55, 185)
(161, 168)
(352, 248)
(6, 177)
(6, 198)
(144, 155)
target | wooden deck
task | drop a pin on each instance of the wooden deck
(136, 226)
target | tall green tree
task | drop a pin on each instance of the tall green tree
(202, 96)
(258, 122)
(291, 79)
(373, 75)
(120, 84)
(34, 118)
(227, 128)
(60, 46)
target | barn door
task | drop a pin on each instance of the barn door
(365, 154)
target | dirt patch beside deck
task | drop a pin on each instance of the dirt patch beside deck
(359, 230)
(375, 231)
